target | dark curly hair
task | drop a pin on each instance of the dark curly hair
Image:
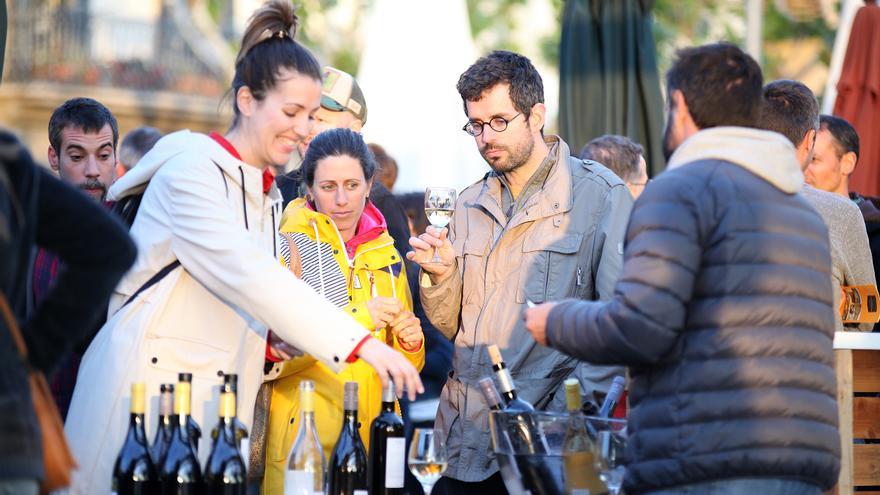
(503, 67)
(337, 142)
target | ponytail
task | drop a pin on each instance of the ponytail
(268, 45)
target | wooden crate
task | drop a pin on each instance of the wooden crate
(857, 361)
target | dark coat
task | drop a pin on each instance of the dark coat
(870, 208)
(723, 312)
(38, 209)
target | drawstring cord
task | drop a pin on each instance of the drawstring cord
(243, 199)
(274, 237)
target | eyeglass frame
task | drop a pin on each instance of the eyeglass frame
(472, 124)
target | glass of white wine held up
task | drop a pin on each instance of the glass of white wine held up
(427, 457)
(439, 205)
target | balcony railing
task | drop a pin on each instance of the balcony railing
(72, 45)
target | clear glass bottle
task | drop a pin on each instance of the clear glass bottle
(306, 463)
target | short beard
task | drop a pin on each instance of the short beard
(516, 157)
(94, 184)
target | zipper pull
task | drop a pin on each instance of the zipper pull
(373, 291)
(377, 332)
(580, 280)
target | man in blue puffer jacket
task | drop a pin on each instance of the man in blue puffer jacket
(723, 311)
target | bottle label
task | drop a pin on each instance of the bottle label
(360, 492)
(505, 380)
(395, 450)
(299, 483)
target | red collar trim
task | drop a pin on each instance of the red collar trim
(268, 176)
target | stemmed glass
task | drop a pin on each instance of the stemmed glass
(608, 451)
(439, 205)
(427, 457)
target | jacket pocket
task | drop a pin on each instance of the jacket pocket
(195, 332)
(473, 265)
(549, 267)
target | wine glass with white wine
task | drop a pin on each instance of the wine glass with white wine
(427, 457)
(439, 205)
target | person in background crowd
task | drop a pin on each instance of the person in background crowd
(438, 348)
(624, 157)
(207, 228)
(791, 109)
(82, 148)
(82, 145)
(835, 157)
(134, 146)
(542, 225)
(438, 353)
(387, 173)
(723, 311)
(36, 209)
(335, 240)
(343, 106)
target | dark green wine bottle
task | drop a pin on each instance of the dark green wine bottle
(225, 472)
(134, 472)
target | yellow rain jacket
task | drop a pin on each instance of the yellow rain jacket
(349, 279)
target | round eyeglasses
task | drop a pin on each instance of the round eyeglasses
(498, 124)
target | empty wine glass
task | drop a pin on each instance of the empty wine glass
(608, 451)
(427, 457)
(439, 205)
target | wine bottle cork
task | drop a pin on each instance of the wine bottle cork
(495, 355)
(350, 396)
(138, 400)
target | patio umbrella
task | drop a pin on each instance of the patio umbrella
(608, 75)
(858, 96)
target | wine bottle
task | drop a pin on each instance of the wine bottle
(241, 434)
(528, 443)
(525, 438)
(347, 471)
(577, 448)
(165, 429)
(134, 472)
(180, 472)
(225, 471)
(490, 393)
(305, 464)
(614, 394)
(508, 389)
(506, 462)
(184, 382)
(387, 448)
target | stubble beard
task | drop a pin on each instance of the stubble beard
(512, 159)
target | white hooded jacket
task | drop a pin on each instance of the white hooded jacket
(206, 209)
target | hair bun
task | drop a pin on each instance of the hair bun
(275, 19)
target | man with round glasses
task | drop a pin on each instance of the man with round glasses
(541, 226)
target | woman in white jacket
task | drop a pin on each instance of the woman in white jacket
(211, 205)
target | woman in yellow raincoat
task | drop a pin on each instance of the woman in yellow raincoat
(337, 242)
